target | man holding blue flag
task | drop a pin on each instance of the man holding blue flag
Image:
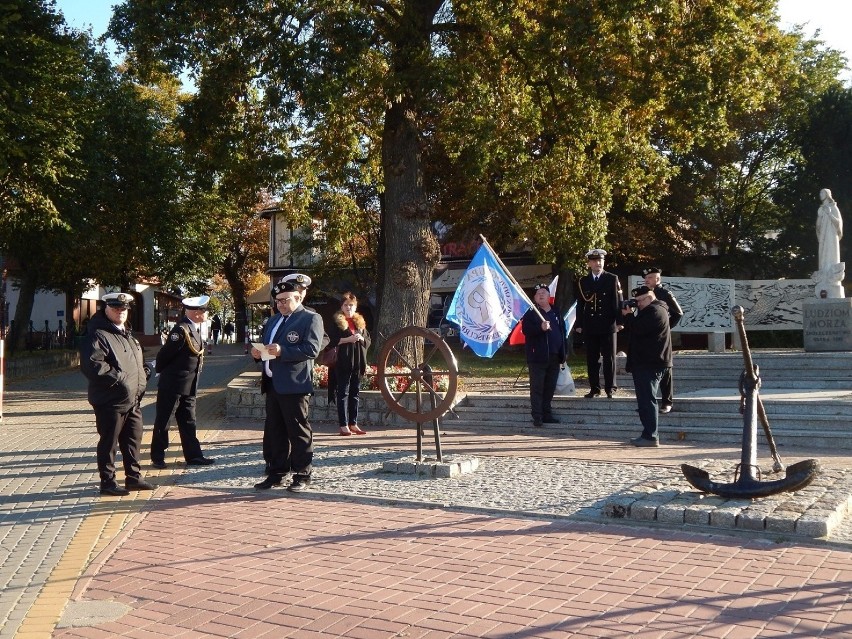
(487, 303)
(544, 332)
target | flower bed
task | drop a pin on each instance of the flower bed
(398, 381)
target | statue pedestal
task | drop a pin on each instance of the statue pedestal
(827, 324)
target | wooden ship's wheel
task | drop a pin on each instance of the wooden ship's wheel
(404, 377)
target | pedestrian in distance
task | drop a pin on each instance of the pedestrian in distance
(598, 320)
(649, 353)
(216, 328)
(112, 360)
(348, 334)
(178, 366)
(546, 352)
(653, 280)
(292, 339)
(229, 331)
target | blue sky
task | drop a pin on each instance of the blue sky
(833, 18)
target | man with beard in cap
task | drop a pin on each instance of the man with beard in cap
(178, 366)
(111, 359)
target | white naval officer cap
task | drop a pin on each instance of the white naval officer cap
(118, 300)
(301, 280)
(196, 303)
(596, 254)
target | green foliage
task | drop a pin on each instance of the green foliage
(40, 75)
(825, 139)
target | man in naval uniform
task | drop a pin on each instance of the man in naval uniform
(598, 320)
(178, 366)
(111, 359)
(653, 278)
(292, 340)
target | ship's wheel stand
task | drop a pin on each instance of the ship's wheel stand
(409, 364)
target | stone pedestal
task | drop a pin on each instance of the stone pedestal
(827, 324)
(716, 342)
(450, 467)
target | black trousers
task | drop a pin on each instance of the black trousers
(287, 437)
(600, 347)
(348, 394)
(118, 430)
(185, 418)
(667, 388)
(543, 377)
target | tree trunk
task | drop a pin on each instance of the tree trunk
(238, 292)
(408, 249)
(408, 245)
(23, 311)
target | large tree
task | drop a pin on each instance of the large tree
(724, 195)
(528, 119)
(41, 72)
(825, 139)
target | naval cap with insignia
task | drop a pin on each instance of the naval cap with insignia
(641, 290)
(196, 303)
(285, 286)
(596, 254)
(299, 279)
(118, 300)
(651, 269)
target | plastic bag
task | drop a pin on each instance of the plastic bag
(565, 383)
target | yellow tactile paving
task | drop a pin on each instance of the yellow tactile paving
(98, 529)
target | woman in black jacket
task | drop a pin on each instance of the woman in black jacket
(349, 336)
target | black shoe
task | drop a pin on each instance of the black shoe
(299, 484)
(137, 483)
(610, 393)
(666, 408)
(592, 393)
(550, 419)
(269, 482)
(641, 442)
(157, 463)
(537, 423)
(200, 461)
(114, 489)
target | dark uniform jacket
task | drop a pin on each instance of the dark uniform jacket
(300, 338)
(179, 360)
(113, 364)
(675, 311)
(537, 341)
(650, 344)
(599, 304)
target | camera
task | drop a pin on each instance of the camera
(628, 304)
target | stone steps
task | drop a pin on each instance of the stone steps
(717, 420)
(789, 369)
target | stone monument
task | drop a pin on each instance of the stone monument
(827, 319)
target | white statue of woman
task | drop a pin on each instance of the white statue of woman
(829, 229)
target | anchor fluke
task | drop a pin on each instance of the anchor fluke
(798, 476)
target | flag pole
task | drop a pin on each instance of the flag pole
(512, 277)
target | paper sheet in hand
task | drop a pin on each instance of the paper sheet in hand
(263, 354)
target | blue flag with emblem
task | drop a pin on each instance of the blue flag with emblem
(487, 304)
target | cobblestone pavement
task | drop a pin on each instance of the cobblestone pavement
(367, 554)
(49, 483)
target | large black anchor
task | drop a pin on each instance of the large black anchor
(747, 484)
